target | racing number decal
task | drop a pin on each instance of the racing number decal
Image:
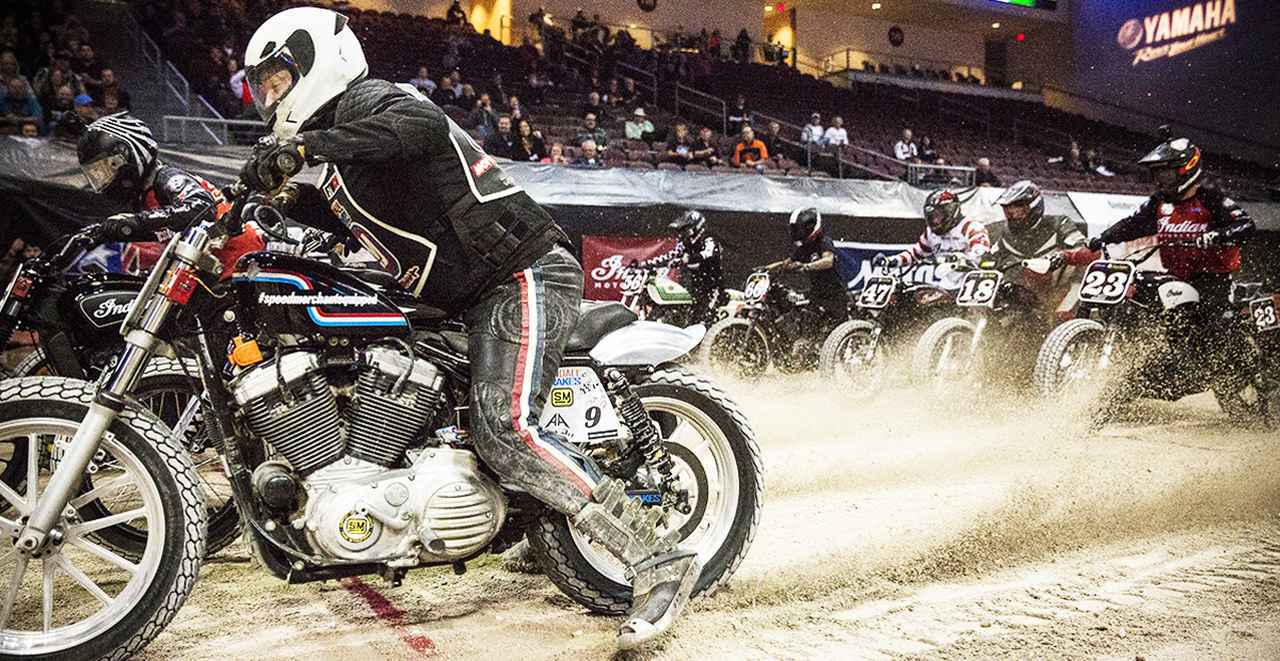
(877, 292)
(1264, 314)
(757, 287)
(592, 417)
(979, 288)
(1106, 282)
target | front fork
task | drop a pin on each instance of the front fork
(113, 391)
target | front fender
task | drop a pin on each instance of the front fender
(646, 343)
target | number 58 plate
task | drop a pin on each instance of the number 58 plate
(1263, 311)
(1106, 282)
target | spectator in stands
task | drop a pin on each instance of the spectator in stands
(9, 68)
(111, 87)
(639, 127)
(589, 157)
(110, 104)
(455, 16)
(680, 149)
(836, 137)
(773, 139)
(537, 84)
(739, 116)
(927, 152)
(501, 142)
(444, 95)
(741, 50)
(906, 148)
(613, 94)
(938, 177)
(515, 109)
(749, 152)
(423, 82)
(29, 129)
(594, 106)
(468, 98)
(87, 67)
(483, 117)
(497, 90)
(706, 150)
(19, 105)
(556, 156)
(714, 45)
(84, 109)
(238, 87)
(51, 79)
(579, 24)
(455, 83)
(628, 93)
(61, 103)
(529, 146)
(591, 131)
(984, 176)
(813, 131)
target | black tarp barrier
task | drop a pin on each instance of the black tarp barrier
(41, 197)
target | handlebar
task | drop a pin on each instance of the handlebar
(1142, 254)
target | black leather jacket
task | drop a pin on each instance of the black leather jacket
(174, 198)
(419, 194)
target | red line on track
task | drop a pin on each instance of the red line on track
(390, 615)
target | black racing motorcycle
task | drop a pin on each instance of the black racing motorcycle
(775, 325)
(993, 338)
(891, 309)
(339, 404)
(1142, 334)
(77, 318)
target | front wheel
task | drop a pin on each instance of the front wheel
(738, 346)
(943, 357)
(1069, 357)
(853, 359)
(716, 459)
(81, 599)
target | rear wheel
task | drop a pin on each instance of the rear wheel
(81, 599)
(716, 459)
(737, 346)
(165, 389)
(852, 358)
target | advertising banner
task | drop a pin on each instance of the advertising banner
(605, 258)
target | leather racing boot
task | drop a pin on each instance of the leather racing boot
(662, 576)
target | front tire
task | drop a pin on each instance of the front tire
(723, 521)
(143, 595)
(1069, 356)
(738, 346)
(844, 360)
(942, 357)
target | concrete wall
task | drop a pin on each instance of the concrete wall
(819, 33)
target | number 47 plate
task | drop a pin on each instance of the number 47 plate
(1264, 313)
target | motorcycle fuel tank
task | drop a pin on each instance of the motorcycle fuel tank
(95, 304)
(283, 294)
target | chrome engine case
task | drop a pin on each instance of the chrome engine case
(438, 510)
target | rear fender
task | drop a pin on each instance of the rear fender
(646, 343)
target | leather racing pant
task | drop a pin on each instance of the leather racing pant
(517, 332)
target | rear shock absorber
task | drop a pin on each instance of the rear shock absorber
(643, 429)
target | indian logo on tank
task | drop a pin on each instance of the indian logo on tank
(103, 310)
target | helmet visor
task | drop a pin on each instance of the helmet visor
(102, 172)
(270, 81)
(1166, 176)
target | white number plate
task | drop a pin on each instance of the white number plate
(979, 288)
(757, 287)
(1264, 313)
(578, 408)
(1106, 282)
(876, 292)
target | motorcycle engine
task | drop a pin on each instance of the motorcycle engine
(366, 498)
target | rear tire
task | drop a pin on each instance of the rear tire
(557, 547)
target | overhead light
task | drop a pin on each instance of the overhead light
(631, 26)
(996, 25)
(875, 6)
(768, 8)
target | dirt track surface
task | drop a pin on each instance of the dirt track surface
(891, 529)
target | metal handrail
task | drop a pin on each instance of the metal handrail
(651, 76)
(810, 152)
(206, 124)
(917, 171)
(981, 72)
(722, 112)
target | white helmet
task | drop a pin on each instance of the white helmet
(299, 60)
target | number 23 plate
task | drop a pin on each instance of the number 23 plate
(1263, 311)
(1106, 282)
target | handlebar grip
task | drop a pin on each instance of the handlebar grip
(288, 162)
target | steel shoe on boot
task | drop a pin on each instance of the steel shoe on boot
(662, 577)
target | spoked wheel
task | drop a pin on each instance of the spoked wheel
(165, 389)
(851, 358)
(716, 461)
(77, 598)
(943, 358)
(738, 347)
(1069, 357)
